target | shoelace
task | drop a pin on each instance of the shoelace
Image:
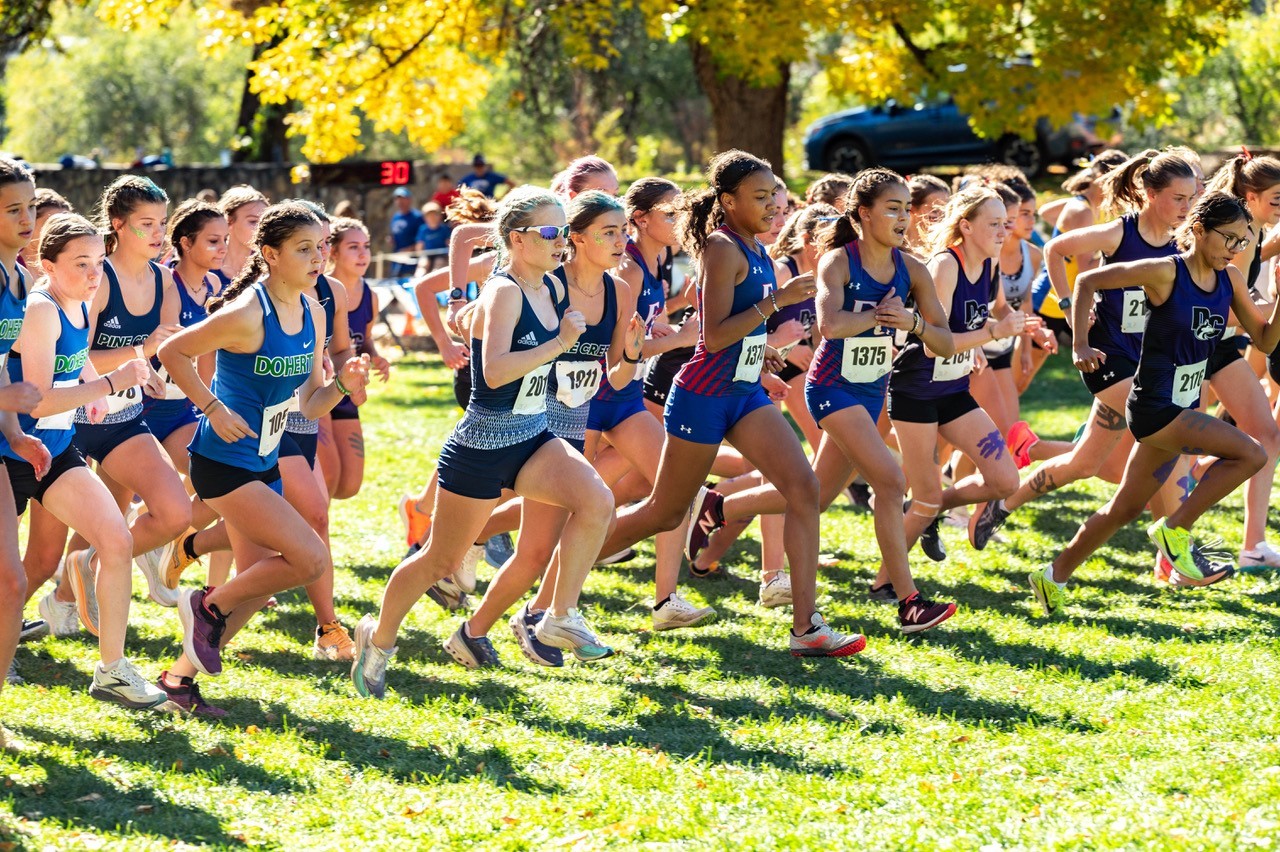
(130, 675)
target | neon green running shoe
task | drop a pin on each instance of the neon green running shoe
(1175, 544)
(1050, 595)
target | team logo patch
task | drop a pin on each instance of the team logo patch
(1206, 325)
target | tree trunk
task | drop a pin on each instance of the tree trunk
(263, 123)
(751, 118)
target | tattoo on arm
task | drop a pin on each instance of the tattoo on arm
(1042, 482)
(1108, 418)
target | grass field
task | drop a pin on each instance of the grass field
(1144, 718)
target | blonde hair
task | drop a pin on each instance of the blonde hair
(963, 206)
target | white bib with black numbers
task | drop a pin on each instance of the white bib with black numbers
(866, 359)
(274, 418)
(171, 391)
(122, 399)
(956, 367)
(1186, 384)
(59, 421)
(532, 396)
(751, 360)
(1134, 320)
(577, 381)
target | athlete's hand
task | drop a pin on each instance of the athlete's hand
(381, 366)
(96, 411)
(20, 396)
(796, 290)
(774, 386)
(228, 425)
(160, 335)
(801, 356)
(979, 360)
(791, 331)
(1087, 359)
(661, 329)
(355, 373)
(130, 374)
(572, 327)
(773, 361)
(154, 385)
(1048, 342)
(893, 313)
(1011, 325)
(33, 451)
(455, 356)
(633, 340)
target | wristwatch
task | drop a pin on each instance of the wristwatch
(1063, 304)
(456, 294)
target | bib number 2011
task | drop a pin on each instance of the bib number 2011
(532, 396)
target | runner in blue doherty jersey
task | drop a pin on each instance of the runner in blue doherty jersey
(1191, 296)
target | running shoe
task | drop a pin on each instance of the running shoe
(333, 643)
(175, 560)
(472, 652)
(570, 632)
(931, 540)
(124, 685)
(706, 515)
(11, 676)
(539, 652)
(187, 696)
(79, 570)
(882, 594)
(10, 743)
(1050, 595)
(676, 612)
(1213, 560)
(990, 520)
(776, 591)
(1163, 569)
(151, 564)
(1175, 544)
(448, 594)
(202, 628)
(620, 558)
(417, 523)
(498, 550)
(59, 615)
(859, 494)
(465, 576)
(918, 613)
(1020, 441)
(369, 669)
(715, 571)
(821, 640)
(33, 629)
(1260, 559)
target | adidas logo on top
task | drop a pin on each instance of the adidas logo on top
(529, 339)
(113, 322)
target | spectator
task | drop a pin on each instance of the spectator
(345, 210)
(405, 223)
(446, 191)
(207, 195)
(482, 179)
(433, 236)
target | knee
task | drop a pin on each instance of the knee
(927, 493)
(595, 501)
(173, 515)
(890, 486)
(1270, 440)
(1004, 480)
(13, 586)
(311, 562)
(317, 517)
(801, 491)
(1254, 456)
(114, 545)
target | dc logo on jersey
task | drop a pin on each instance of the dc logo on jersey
(975, 314)
(1206, 325)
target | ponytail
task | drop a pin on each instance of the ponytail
(255, 270)
(1124, 188)
(699, 211)
(278, 223)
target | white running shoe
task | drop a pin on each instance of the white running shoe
(152, 565)
(677, 612)
(465, 576)
(124, 685)
(570, 631)
(777, 591)
(59, 615)
(369, 668)
(1260, 558)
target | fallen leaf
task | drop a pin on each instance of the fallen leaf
(510, 820)
(414, 809)
(963, 738)
(218, 751)
(144, 809)
(92, 797)
(243, 656)
(383, 753)
(252, 729)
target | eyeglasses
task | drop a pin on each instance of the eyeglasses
(547, 232)
(1233, 243)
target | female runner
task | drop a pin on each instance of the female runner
(243, 206)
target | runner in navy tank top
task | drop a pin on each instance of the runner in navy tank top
(243, 206)
(1155, 190)
(717, 394)
(1192, 295)
(265, 332)
(502, 441)
(52, 353)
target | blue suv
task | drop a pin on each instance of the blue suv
(908, 137)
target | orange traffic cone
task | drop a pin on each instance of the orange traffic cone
(409, 330)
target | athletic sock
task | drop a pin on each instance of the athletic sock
(660, 603)
(189, 546)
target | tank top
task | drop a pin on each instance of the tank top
(1122, 314)
(297, 424)
(916, 374)
(359, 317)
(734, 369)
(866, 359)
(259, 386)
(70, 353)
(651, 303)
(190, 312)
(1180, 335)
(118, 328)
(224, 280)
(517, 411)
(1017, 292)
(806, 313)
(577, 374)
(12, 309)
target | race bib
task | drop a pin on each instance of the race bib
(956, 367)
(171, 391)
(1227, 333)
(63, 420)
(866, 359)
(120, 400)
(577, 381)
(1186, 384)
(1134, 320)
(532, 397)
(274, 418)
(4, 362)
(751, 360)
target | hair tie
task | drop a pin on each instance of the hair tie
(1244, 152)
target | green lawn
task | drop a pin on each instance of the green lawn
(1144, 718)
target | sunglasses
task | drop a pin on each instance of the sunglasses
(547, 232)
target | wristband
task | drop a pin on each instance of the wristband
(139, 351)
(563, 348)
(917, 324)
(760, 312)
(992, 328)
(208, 407)
(1063, 304)
(337, 382)
(110, 384)
(629, 359)
(774, 301)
